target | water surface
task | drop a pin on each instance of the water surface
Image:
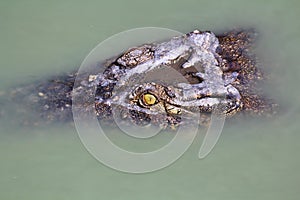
(254, 159)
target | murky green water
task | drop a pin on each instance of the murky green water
(255, 159)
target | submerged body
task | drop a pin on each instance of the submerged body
(218, 71)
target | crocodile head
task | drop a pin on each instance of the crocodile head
(158, 83)
(199, 86)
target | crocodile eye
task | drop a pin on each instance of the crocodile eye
(149, 99)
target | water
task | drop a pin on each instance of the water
(254, 159)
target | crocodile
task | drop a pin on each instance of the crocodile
(218, 71)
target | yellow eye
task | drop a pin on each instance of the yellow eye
(149, 99)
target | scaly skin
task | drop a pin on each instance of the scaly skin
(220, 71)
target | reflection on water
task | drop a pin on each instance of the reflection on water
(254, 159)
